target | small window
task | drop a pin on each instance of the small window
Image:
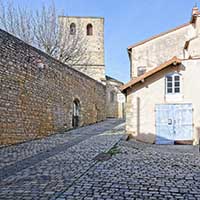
(141, 70)
(72, 29)
(112, 96)
(89, 29)
(173, 84)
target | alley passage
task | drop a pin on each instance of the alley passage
(98, 163)
(43, 169)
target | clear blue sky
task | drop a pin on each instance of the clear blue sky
(126, 22)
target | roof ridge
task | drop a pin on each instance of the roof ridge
(113, 79)
(158, 35)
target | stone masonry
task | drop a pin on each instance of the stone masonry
(37, 93)
(115, 104)
(93, 63)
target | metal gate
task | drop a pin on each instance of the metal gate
(173, 123)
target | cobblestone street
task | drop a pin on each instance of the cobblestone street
(68, 166)
(43, 169)
(142, 171)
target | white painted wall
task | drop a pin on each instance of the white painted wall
(140, 118)
(154, 52)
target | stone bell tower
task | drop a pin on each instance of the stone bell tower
(91, 30)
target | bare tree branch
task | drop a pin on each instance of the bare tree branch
(44, 29)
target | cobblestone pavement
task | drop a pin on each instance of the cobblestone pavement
(141, 171)
(43, 169)
(69, 167)
(13, 153)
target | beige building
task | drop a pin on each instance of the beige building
(91, 30)
(115, 100)
(163, 100)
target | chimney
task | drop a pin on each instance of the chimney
(195, 10)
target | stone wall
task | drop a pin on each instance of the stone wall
(115, 100)
(111, 103)
(37, 93)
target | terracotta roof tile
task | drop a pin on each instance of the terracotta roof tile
(149, 73)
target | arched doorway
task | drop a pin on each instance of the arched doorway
(76, 113)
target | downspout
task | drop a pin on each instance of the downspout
(130, 60)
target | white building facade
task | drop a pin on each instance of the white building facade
(163, 96)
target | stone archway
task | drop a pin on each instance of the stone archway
(76, 114)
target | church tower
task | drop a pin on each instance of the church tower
(91, 32)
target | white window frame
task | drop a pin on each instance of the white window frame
(173, 95)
